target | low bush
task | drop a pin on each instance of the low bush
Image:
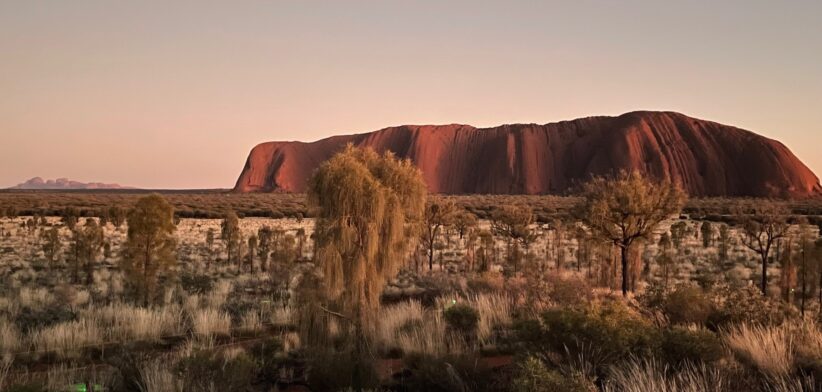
(335, 371)
(682, 345)
(534, 376)
(611, 329)
(446, 374)
(687, 305)
(207, 372)
(462, 319)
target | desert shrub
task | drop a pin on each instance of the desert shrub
(334, 371)
(27, 387)
(486, 283)
(534, 376)
(445, 374)
(29, 319)
(462, 319)
(195, 283)
(207, 372)
(682, 345)
(611, 329)
(687, 305)
(747, 305)
(268, 354)
(568, 291)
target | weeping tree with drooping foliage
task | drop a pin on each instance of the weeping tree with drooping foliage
(368, 211)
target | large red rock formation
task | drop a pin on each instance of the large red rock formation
(706, 158)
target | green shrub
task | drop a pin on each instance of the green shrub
(29, 319)
(445, 374)
(207, 372)
(534, 376)
(687, 305)
(196, 283)
(334, 371)
(747, 305)
(568, 291)
(607, 332)
(681, 345)
(462, 319)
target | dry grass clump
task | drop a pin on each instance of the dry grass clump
(429, 337)
(410, 327)
(394, 318)
(218, 295)
(156, 376)
(66, 339)
(210, 322)
(282, 316)
(34, 298)
(251, 321)
(9, 337)
(126, 322)
(768, 349)
(494, 310)
(650, 375)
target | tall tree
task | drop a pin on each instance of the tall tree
(209, 242)
(117, 216)
(51, 243)
(724, 242)
(626, 208)
(513, 222)
(92, 243)
(464, 221)
(252, 251)
(764, 223)
(150, 244)
(808, 264)
(707, 231)
(300, 235)
(230, 234)
(264, 246)
(368, 208)
(69, 217)
(438, 215)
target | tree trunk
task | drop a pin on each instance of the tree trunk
(624, 251)
(431, 258)
(804, 282)
(764, 274)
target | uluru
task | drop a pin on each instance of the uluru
(706, 158)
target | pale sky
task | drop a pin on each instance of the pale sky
(174, 94)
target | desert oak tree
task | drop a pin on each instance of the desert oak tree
(626, 208)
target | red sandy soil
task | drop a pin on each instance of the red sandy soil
(706, 158)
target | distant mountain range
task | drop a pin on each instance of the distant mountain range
(706, 158)
(65, 184)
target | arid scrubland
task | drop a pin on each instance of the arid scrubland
(495, 301)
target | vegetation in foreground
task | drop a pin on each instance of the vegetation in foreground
(387, 289)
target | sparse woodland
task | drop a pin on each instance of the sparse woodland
(370, 284)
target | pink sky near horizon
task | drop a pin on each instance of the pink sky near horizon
(175, 94)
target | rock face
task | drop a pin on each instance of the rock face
(64, 183)
(706, 158)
